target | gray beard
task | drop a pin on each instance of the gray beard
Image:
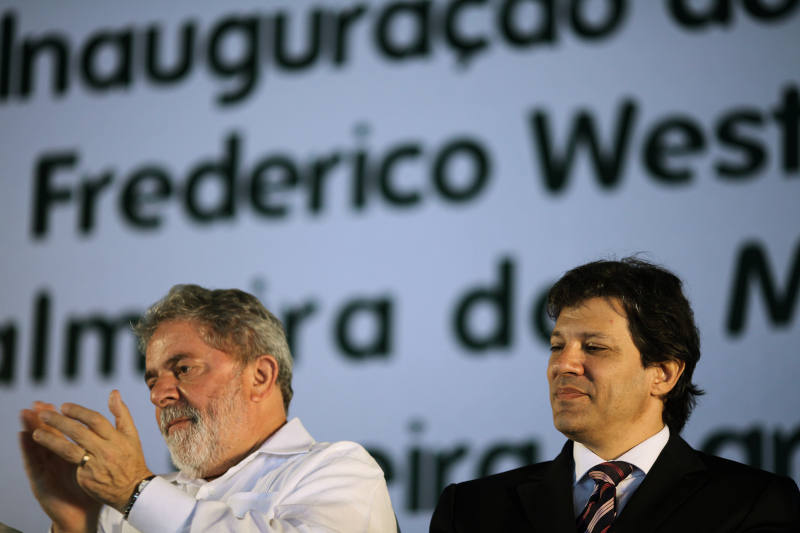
(197, 448)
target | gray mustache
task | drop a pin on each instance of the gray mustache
(172, 412)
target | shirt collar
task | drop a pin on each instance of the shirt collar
(642, 456)
(290, 439)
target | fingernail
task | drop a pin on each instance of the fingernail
(37, 434)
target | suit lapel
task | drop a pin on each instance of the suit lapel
(675, 476)
(547, 500)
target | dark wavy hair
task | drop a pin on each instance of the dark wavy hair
(660, 319)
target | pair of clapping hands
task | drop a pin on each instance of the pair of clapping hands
(76, 460)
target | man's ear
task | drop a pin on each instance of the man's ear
(666, 374)
(264, 375)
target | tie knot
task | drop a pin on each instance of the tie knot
(611, 472)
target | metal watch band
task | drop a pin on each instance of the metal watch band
(139, 488)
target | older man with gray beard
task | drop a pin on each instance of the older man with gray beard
(198, 444)
(219, 372)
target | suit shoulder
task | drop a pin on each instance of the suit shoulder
(726, 468)
(768, 499)
(781, 491)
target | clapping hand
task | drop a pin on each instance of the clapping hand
(77, 459)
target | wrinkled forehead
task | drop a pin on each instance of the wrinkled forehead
(173, 336)
(182, 339)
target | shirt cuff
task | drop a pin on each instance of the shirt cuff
(161, 507)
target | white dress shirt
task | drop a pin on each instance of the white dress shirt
(290, 484)
(642, 456)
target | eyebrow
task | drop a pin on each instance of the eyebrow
(170, 362)
(583, 335)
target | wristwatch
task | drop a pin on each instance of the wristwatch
(138, 490)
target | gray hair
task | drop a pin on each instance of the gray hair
(229, 320)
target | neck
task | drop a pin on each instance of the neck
(235, 457)
(608, 451)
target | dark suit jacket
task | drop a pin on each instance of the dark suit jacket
(685, 491)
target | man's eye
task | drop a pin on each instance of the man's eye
(555, 347)
(183, 369)
(593, 348)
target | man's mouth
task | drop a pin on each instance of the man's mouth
(569, 393)
(179, 422)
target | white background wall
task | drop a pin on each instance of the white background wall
(426, 394)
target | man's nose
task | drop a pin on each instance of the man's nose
(164, 391)
(568, 360)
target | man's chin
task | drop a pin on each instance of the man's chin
(185, 461)
(569, 425)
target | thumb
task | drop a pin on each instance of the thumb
(122, 416)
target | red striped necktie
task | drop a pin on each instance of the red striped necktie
(601, 509)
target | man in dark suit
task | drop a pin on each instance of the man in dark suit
(623, 351)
